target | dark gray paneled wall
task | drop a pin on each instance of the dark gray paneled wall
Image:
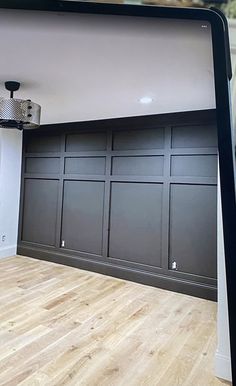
(136, 197)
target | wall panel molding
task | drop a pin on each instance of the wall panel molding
(113, 182)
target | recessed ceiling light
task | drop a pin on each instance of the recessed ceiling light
(145, 100)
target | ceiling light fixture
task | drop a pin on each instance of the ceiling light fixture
(145, 100)
(18, 113)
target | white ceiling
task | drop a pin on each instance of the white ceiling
(83, 67)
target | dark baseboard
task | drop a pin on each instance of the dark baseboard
(107, 268)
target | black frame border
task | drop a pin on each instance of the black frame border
(226, 152)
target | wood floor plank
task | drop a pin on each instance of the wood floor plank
(64, 326)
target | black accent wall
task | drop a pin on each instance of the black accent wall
(129, 197)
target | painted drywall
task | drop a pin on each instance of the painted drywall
(10, 169)
(83, 67)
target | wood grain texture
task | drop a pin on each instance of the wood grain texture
(64, 326)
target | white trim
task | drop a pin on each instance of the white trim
(222, 366)
(233, 49)
(8, 251)
(232, 23)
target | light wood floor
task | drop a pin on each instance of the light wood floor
(64, 326)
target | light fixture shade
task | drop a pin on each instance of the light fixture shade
(19, 113)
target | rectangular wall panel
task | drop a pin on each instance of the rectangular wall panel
(42, 165)
(40, 211)
(194, 165)
(138, 139)
(43, 144)
(193, 232)
(194, 136)
(86, 142)
(136, 222)
(82, 216)
(139, 166)
(85, 165)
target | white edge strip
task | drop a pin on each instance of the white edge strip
(222, 367)
(8, 251)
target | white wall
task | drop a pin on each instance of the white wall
(10, 168)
